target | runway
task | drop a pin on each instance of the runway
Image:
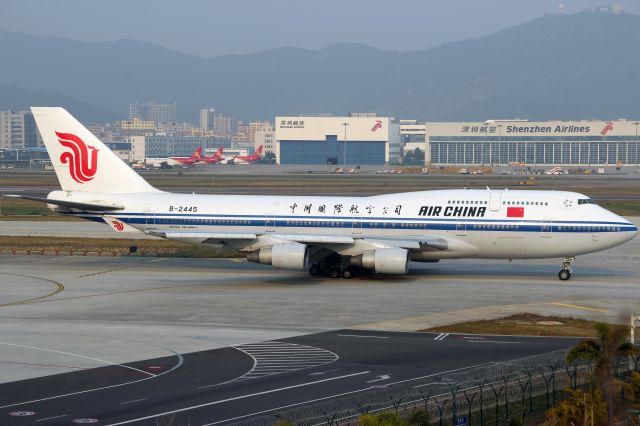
(68, 324)
(228, 385)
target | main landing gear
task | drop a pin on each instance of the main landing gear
(565, 272)
(332, 270)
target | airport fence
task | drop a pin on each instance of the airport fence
(489, 395)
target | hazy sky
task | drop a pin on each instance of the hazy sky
(215, 27)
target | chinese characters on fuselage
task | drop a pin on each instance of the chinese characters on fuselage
(353, 209)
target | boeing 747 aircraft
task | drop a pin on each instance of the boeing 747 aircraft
(322, 234)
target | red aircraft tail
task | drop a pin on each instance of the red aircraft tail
(258, 151)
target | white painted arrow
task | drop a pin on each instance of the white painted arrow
(380, 378)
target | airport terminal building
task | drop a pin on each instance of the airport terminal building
(565, 143)
(358, 139)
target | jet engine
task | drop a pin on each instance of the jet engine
(384, 261)
(294, 256)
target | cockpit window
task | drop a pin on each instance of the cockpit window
(585, 201)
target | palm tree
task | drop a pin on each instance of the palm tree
(611, 344)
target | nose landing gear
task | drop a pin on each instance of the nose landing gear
(565, 272)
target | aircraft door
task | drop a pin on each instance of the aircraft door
(547, 228)
(461, 227)
(149, 218)
(270, 223)
(495, 200)
(356, 225)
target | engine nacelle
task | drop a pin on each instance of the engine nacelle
(384, 261)
(294, 256)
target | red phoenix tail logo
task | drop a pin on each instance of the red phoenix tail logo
(82, 158)
(377, 126)
(607, 128)
(118, 225)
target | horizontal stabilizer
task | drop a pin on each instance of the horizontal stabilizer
(91, 207)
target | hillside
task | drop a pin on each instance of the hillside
(567, 67)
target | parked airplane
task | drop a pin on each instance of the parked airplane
(323, 234)
(216, 157)
(196, 157)
(248, 159)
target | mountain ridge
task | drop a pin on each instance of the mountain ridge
(556, 66)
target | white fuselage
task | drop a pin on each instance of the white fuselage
(477, 223)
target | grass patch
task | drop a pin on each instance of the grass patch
(120, 245)
(622, 208)
(523, 325)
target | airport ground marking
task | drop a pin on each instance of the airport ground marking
(236, 398)
(79, 356)
(368, 388)
(175, 367)
(59, 289)
(135, 400)
(583, 308)
(441, 336)
(492, 341)
(363, 335)
(51, 418)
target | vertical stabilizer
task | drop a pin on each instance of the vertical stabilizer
(80, 160)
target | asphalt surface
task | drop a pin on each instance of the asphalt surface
(227, 385)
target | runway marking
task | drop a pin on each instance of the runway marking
(51, 418)
(135, 400)
(492, 341)
(59, 289)
(236, 398)
(441, 336)
(368, 388)
(584, 308)
(276, 357)
(363, 335)
(79, 356)
(175, 367)
(44, 365)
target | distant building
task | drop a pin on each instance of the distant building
(523, 142)
(412, 135)
(265, 138)
(18, 130)
(137, 124)
(359, 139)
(160, 146)
(222, 125)
(256, 126)
(207, 118)
(151, 111)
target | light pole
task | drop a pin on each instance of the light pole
(636, 124)
(344, 156)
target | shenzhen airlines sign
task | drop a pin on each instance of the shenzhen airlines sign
(82, 158)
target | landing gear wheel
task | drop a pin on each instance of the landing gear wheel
(564, 275)
(334, 273)
(314, 270)
(347, 274)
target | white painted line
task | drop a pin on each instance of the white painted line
(368, 388)
(236, 398)
(438, 336)
(363, 335)
(380, 378)
(51, 418)
(135, 400)
(175, 367)
(79, 356)
(492, 341)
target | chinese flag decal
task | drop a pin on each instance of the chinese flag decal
(515, 211)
